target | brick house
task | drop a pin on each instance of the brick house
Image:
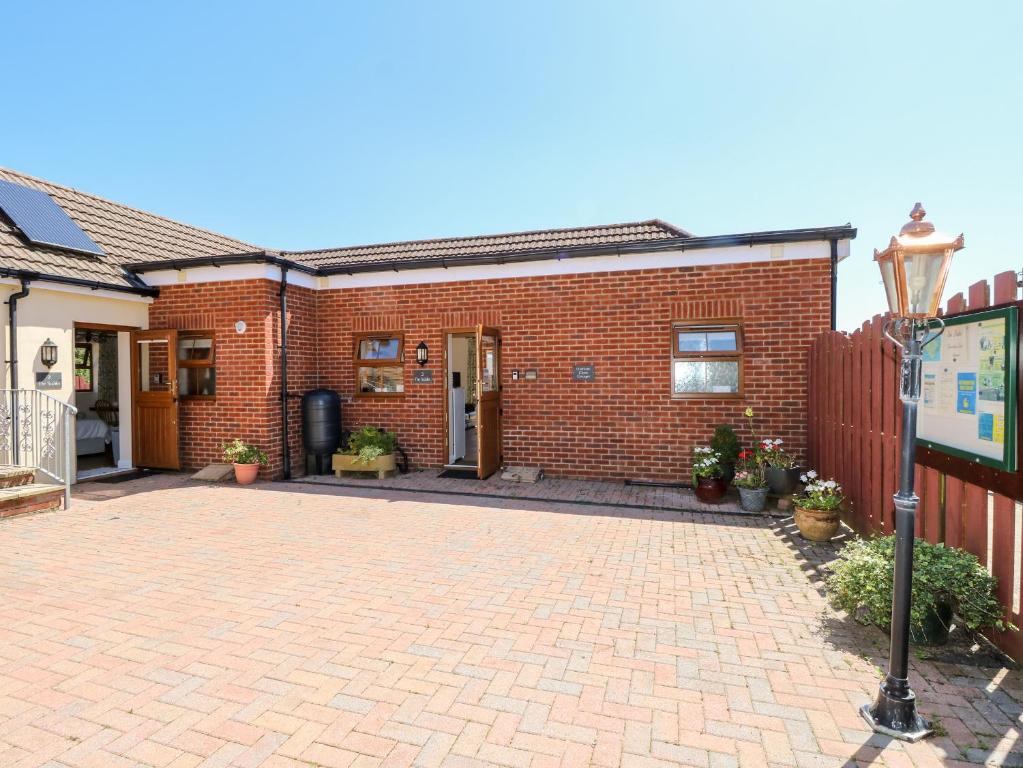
(606, 351)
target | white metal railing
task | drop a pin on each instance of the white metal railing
(36, 430)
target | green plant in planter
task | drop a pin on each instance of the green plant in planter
(238, 452)
(726, 443)
(706, 463)
(369, 443)
(943, 578)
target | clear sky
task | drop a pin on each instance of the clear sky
(304, 125)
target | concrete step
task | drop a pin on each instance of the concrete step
(11, 476)
(34, 497)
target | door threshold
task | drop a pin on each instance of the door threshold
(461, 467)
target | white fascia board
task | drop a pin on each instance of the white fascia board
(225, 274)
(79, 290)
(699, 257)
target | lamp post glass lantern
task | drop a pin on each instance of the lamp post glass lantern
(914, 268)
(422, 353)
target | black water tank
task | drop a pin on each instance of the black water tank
(321, 421)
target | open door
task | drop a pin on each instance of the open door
(488, 400)
(154, 399)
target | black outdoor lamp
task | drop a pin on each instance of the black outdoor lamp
(914, 267)
(422, 353)
(48, 353)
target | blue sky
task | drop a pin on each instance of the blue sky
(306, 125)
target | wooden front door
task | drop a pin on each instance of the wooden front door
(154, 399)
(488, 400)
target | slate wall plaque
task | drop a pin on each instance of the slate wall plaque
(48, 380)
(586, 372)
(422, 376)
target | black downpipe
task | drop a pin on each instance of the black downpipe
(834, 284)
(284, 371)
(12, 327)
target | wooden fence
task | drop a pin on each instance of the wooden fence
(854, 425)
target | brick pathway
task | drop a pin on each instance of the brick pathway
(161, 623)
(548, 489)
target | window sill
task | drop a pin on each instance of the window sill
(708, 396)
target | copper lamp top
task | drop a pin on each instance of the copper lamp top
(916, 226)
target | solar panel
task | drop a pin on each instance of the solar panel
(42, 221)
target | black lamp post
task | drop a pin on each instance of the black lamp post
(914, 267)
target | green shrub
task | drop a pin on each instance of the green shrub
(861, 584)
(726, 444)
(369, 443)
(237, 452)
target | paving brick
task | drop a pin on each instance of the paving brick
(165, 623)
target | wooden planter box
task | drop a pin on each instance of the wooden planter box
(383, 466)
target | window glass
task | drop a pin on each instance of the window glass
(378, 349)
(83, 367)
(706, 376)
(197, 381)
(707, 341)
(489, 378)
(195, 348)
(154, 366)
(381, 378)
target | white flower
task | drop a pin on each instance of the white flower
(830, 484)
(802, 478)
(811, 474)
(779, 441)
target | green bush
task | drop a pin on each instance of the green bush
(726, 444)
(861, 584)
(369, 443)
(237, 452)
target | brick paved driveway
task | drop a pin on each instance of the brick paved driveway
(184, 625)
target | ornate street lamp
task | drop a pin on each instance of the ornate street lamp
(914, 267)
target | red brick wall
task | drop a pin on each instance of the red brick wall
(247, 404)
(623, 425)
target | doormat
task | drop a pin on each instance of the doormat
(126, 476)
(459, 474)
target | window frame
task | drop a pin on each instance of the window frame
(210, 362)
(738, 355)
(87, 346)
(398, 361)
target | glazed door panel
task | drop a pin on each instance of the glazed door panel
(154, 385)
(488, 400)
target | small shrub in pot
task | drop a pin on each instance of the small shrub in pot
(749, 479)
(726, 444)
(246, 458)
(818, 508)
(708, 480)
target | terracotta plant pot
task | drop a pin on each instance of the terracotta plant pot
(752, 499)
(817, 524)
(246, 473)
(709, 490)
(782, 482)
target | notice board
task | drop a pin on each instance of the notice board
(968, 401)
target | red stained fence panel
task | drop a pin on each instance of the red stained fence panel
(854, 425)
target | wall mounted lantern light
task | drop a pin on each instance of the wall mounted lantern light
(422, 353)
(48, 353)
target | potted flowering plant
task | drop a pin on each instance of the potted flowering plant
(247, 460)
(749, 479)
(817, 508)
(708, 475)
(781, 472)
